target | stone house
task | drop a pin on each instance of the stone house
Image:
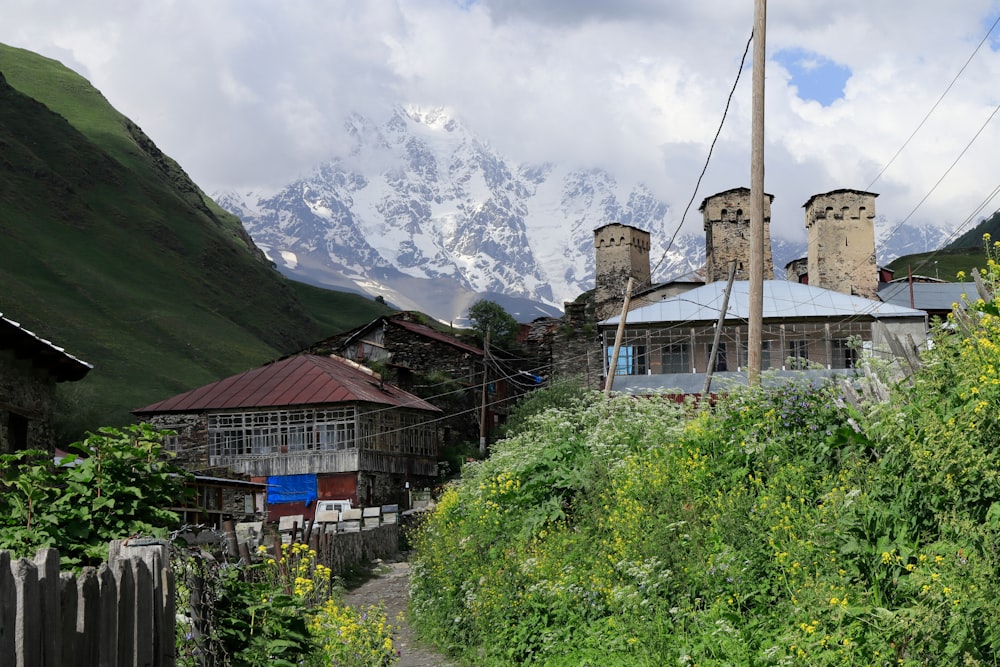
(30, 368)
(670, 324)
(311, 427)
(807, 331)
(446, 371)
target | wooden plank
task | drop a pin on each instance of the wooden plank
(107, 616)
(8, 610)
(28, 626)
(69, 604)
(125, 579)
(88, 618)
(144, 637)
(47, 563)
(167, 627)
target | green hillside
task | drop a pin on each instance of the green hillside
(944, 264)
(965, 253)
(111, 251)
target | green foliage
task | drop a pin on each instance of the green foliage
(782, 526)
(283, 611)
(117, 484)
(490, 316)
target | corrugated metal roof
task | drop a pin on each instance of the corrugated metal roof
(927, 296)
(26, 345)
(783, 299)
(295, 381)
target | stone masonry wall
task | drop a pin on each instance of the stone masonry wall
(842, 242)
(26, 395)
(727, 235)
(622, 252)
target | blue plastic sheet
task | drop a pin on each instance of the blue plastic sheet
(292, 489)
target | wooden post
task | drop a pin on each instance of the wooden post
(483, 411)
(718, 330)
(755, 324)
(47, 562)
(613, 366)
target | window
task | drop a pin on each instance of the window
(676, 358)
(721, 361)
(845, 353)
(797, 352)
(281, 431)
(631, 360)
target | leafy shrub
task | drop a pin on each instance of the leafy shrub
(782, 526)
(115, 483)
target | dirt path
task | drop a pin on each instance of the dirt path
(390, 585)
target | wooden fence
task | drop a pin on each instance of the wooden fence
(116, 615)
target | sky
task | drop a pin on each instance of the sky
(252, 94)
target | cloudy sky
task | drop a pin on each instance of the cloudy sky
(250, 94)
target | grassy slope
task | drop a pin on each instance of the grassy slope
(109, 250)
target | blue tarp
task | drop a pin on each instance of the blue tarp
(291, 489)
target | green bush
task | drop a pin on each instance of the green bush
(782, 526)
(115, 483)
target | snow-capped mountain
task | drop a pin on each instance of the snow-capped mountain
(428, 216)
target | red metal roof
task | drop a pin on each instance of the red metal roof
(299, 380)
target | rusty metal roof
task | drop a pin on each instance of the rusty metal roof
(300, 380)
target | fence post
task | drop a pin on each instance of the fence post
(69, 599)
(107, 617)
(47, 562)
(28, 647)
(8, 610)
(154, 593)
(89, 614)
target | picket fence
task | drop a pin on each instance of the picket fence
(116, 615)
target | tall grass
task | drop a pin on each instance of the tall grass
(781, 527)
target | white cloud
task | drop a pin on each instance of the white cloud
(250, 94)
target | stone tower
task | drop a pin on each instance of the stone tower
(841, 255)
(621, 252)
(727, 234)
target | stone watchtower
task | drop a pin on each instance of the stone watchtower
(621, 252)
(841, 255)
(727, 234)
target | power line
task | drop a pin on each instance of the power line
(708, 157)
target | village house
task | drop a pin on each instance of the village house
(667, 344)
(311, 427)
(817, 322)
(30, 368)
(448, 372)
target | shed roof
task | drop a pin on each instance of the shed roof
(783, 299)
(294, 381)
(927, 296)
(43, 354)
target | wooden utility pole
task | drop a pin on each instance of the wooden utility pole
(486, 387)
(613, 366)
(755, 324)
(718, 330)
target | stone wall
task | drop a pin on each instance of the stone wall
(190, 444)
(348, 550)
(27, 407)
(841, 226)
(622, 252)
(727, 235)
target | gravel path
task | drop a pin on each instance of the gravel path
(390, 585)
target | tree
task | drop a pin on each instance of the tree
(490, 316)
